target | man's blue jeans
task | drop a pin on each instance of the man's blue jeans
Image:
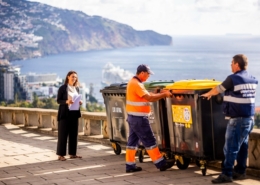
(236, 144)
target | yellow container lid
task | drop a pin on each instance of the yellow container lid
(193, 84)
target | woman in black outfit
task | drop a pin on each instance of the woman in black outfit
(68, 119)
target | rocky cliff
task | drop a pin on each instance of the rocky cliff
(33, 29)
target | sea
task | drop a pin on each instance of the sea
(188, 57)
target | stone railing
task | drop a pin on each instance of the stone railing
(91, 124)
(254, 152)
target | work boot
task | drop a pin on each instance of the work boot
(238, 176)
(168, 164)
(135, 169)
(222, 179)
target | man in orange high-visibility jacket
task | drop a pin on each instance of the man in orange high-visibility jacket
(138, 109)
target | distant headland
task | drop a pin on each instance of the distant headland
(32, 29)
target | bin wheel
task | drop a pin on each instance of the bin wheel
(184, 166)
(141, 155)
(203, 166)
(203, 171)
(117, 148)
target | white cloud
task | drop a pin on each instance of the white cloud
(174, 16)
(227, 5)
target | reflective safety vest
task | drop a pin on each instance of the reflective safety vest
(240, 102)
(135, 103)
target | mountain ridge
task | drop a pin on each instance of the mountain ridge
(33, 29)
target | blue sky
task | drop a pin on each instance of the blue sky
(175, 17)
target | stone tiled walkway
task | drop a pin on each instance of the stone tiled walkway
(29, 158)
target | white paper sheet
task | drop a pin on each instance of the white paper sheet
(75, 105)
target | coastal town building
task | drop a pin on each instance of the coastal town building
(8, 77)
(3, 67)
(48, 79)
(11, 85)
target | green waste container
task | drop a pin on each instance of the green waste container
(196, 125)
(115, 101)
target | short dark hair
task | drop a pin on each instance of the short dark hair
(67, 80)
(143, 68)
(242, 61)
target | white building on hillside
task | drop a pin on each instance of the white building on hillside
(50, 79)
(41, 91)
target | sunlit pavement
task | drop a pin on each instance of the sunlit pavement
(29, 158)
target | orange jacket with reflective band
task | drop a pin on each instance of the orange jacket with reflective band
(135, 103)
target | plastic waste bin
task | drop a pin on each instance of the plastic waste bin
(115, 101)
(196, 125)
(158, 119)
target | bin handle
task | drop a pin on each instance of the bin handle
(122, 85)
(159, 90)
(203, 96)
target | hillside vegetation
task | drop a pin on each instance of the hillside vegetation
(31, 29)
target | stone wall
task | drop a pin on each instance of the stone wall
(254, 152)
(89, 123)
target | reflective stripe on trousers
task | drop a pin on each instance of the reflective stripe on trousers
(140, 130)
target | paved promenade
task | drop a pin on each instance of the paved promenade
(29, 158)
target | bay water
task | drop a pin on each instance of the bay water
(189, 57)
